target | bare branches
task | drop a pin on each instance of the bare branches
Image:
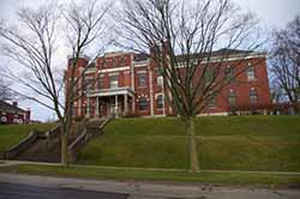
(33, 47)
(286, 60)
(5, 91)
(86, 24)
(183, 37)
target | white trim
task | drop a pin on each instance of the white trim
(159, 115)
(213, 114)
(141, 71)
(91, 70)
(114, 54)
(141, 63)
(235, 58)
(157, 94)
(114, 69)
(112, 92)
(113, 74)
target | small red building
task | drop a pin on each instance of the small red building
(12, 114)
(130, 84)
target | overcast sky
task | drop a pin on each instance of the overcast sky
(272, 13)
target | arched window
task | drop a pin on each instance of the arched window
(143, 104)
(160, 81)
(159, 101)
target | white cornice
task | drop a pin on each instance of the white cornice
(109, 70)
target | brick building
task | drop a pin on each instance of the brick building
(12, 114)
(130, 84)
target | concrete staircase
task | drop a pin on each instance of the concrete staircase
(48, 149)
(44, 150)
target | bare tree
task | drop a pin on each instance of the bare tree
(277, 94)
(285, 62)
(33, 46)
(5, 91)
(183, 36)
(87, 33)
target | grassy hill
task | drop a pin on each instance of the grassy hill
(13, 134)
(269, 143)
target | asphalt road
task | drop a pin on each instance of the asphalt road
(17, 186)
(21, 191)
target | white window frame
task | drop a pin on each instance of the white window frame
(253, 95)
(162, 101)
(160, 81)
(250, 72)
(114, 83)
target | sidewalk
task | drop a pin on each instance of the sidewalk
(145, 190)
(16, 162)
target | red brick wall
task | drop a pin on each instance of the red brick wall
(241, 86)
(15, 118)
(142, 91)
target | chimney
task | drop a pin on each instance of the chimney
(15, 104)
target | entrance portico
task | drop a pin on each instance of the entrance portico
(112, 102)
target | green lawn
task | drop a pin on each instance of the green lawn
(264, 143)
(13, 134)
(222, 178)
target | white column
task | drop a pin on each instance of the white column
(116, 106)
(125, 104)
(97, 106)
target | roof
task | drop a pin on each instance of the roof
(4, 106)
(141, 57)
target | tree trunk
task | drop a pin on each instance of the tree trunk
(296, 108)
(192, 146)
(64, 147)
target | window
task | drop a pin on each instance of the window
(210, 75)
(159, 102)
(250, 72)
(160, 81)
(253, 96)
(142, 80)
(229, 74)
(113, 81)
(101, 81)
(212, 100)
(87, 84)
(232, 98)
(143, 104)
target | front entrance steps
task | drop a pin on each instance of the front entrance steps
(47, 148)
